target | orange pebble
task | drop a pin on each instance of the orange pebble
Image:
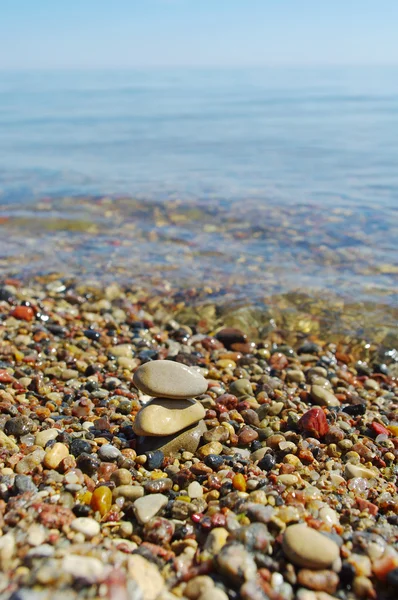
(24, 313)
(239, 482)
(101, 499)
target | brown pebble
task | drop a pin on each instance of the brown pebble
(320, 581)
(229, 336)
(247, 435)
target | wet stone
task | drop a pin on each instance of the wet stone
(352, 471)
(322, 580)
(216, 434)
(121, 477)
(101, 499)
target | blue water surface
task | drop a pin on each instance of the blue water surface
(292, 135)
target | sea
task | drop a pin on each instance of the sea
(263, 186)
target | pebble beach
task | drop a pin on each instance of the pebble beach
(265, 468)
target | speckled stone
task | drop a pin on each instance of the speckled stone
(163, 416)
(168, 379)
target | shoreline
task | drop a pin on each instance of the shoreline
(301, 432)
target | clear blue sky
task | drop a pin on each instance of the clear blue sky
(142, 33)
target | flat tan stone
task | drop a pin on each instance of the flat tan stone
(187, 440)
(163, 416)
(352, 471)
(306, 547)
(168, 379)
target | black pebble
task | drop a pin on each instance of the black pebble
(214, 461)
(18, 426)
(91, 334)
(256, 445)
(79, 446)
(154, 460)
(355, 409)
(81, 510)
(309, 348)
(88, 463)
(347, 574)
(226, 488)
(392, 578)
(57, 330)
(267, 463)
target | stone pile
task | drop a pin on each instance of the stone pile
(173, 419)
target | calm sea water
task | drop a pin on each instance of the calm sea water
(291, 135)
(292, 173)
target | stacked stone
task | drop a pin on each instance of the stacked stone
(173, 420)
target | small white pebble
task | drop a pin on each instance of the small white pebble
(195, 490)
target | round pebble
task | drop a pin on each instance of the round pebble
(307, 547)
(168, 379)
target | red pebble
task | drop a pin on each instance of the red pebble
(278, 361)
(366, 505)
(24, 313)
(218, 520)
(380, 429)
(228, 400)
(196, 517)
(5, 377)
(314, 422)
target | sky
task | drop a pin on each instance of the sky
(57, 34)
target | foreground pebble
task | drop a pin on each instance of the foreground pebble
(306, 547)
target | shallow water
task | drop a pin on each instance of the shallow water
(265, 187)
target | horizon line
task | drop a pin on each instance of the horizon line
(196, 67)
